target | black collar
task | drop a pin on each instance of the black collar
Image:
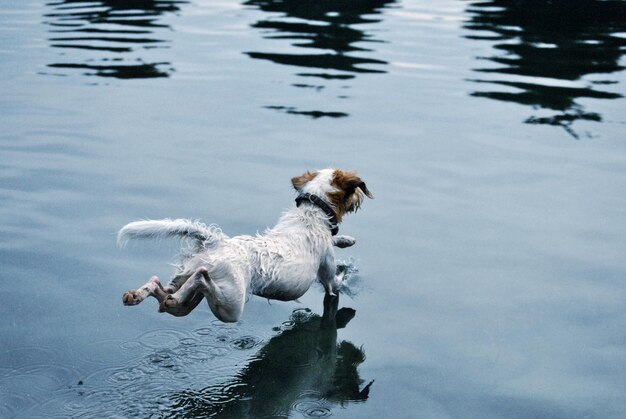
(319, 202)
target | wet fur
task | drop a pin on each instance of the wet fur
(280, 264)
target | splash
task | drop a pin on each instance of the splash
(352, 284)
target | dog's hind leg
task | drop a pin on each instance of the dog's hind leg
(182, 296)
(176, 282)
(151, 288)
(179, 304)
(226, 305)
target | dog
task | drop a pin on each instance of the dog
(280, 264)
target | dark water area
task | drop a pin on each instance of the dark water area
(333, 45)
(549, 41)
(488, 275)
(116, 29)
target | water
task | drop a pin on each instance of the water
(490, 265)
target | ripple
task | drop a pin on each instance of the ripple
(13, 403)
(217, 328)
(203, 331)
(188, 342)
(303, 406)
(109, 352)
(161, 362)
(246, 342)
(99, 376)
(71, 406)
(233, 387)
(37, 381)
(182, 376)
(216, 375)
(317, 412)
(223, 338)
(29, 355)
(219, 352)
(162, 359)
(294, 357)
(196, 352)
(131, 345)
(204, 351)
(288, 324)
(211, 396)
(309, 394)
(5, 372)
(124, 375)
(229, 330)
(97, 403)
(302, 310)
(312, 409)
(162, 338)
(300, 315)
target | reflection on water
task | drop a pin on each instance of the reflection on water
(331, 39)
(164, 372)
(544, 51)
(104, 37)
(303, 369)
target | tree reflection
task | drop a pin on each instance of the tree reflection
(112, 31)
(545, 50)
(328, 34)
(303, 369)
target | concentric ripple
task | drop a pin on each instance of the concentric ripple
(162, 338)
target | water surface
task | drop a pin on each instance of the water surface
(490, 264)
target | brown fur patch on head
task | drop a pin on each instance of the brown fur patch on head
(299, 181)
(350, 192)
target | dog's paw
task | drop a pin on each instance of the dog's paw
(344, 241)
(131, 298)
(167, 303)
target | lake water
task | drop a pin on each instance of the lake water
(491, 263)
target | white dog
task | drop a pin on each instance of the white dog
(280, 264)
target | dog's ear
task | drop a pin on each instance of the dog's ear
(349, 182)
(299, 181)
(361, 185)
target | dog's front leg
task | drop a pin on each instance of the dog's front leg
(326, 274)
(343, 241)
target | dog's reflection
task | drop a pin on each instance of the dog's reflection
(303, 368)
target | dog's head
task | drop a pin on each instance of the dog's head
(344, 191)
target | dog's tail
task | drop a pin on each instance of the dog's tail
(155, 229)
